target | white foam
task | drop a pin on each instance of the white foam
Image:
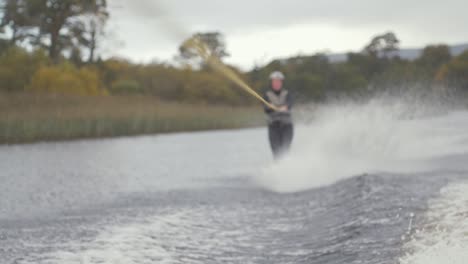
(184, 236)
(346, 140)
(195, 234)
(136, 242)
(443, 239)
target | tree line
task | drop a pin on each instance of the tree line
(51, 46)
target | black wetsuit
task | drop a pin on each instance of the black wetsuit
(280, 126)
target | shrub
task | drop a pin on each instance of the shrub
(67, 79)
(125, 87)
(17, 67)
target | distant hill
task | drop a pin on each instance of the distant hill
(409, 54)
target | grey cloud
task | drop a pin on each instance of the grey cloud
(243, 15)
(421, 22)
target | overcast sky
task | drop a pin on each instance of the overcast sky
(258, 30)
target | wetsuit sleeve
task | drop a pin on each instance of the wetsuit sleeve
(267, 109)
(290, 100)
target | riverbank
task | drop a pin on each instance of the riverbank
(31, 118)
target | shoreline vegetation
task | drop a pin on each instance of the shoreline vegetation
(27, 118)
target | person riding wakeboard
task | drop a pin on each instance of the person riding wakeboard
(280, 125)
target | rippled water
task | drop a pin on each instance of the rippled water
(363, 184)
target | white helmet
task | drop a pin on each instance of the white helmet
(277, 75)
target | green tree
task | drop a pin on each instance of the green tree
(346, 80)
(214, 43)
(432, 58)
(17, 67)
(115, 69)
(455, 72)
(94, 23)
(383, 45)
(18, 19)
(163, 81)
(61, 23)
(367, 65)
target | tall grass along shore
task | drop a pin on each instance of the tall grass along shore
(29, 118)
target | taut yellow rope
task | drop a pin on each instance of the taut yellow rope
(214, 62)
